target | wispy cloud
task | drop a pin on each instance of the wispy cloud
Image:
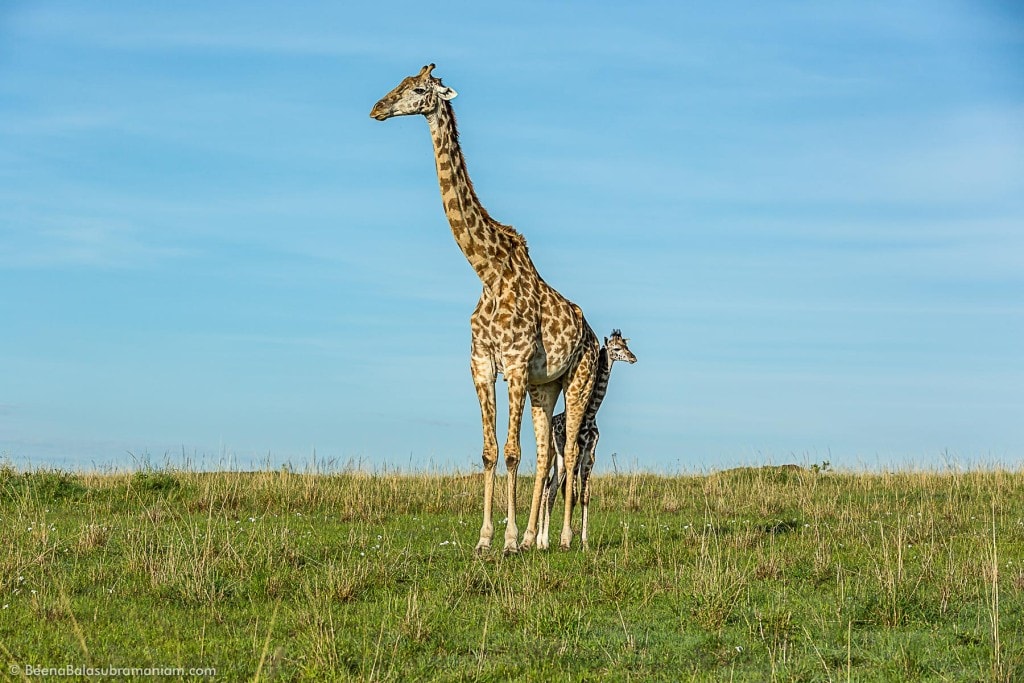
(242, 28)
(83, 242)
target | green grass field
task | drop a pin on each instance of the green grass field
(747, 575)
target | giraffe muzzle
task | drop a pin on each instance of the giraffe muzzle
(380, 111)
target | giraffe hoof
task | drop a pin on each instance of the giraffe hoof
(482, 548)
(510, 550)
(563, 548)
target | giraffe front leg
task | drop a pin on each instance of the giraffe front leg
(571, 451)
(547, 502)
(573, 418)
(557, 479)
(483, 379)
(542, 403)
(545, 516)
(516, 403)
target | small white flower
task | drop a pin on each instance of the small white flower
(739, 648)
(252, 519)
(5, 606)
(362, 554)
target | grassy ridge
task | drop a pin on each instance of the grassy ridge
(752, 574)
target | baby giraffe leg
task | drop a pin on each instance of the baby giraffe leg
(586, 467)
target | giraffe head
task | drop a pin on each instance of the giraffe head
(419, 94)
(618, 348)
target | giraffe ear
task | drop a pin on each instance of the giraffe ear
(446, 93)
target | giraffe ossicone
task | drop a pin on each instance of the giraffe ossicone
(521, 327)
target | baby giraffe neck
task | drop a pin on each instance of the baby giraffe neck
(604, 373)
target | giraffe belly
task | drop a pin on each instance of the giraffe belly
(541, 371)
(542, 340)
(538, 368)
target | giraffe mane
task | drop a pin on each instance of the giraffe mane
(508, 231)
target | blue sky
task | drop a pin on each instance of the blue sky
(808, 218)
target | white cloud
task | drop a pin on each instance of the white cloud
(77, 241)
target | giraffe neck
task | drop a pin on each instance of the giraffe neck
(486, 243)
(604, 373)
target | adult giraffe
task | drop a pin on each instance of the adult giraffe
(521, 327)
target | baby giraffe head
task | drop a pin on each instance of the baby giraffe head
(419, 94)
(618, 348)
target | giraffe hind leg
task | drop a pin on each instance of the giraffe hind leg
(576, 398)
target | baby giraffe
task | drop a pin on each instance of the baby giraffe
(615, 348)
